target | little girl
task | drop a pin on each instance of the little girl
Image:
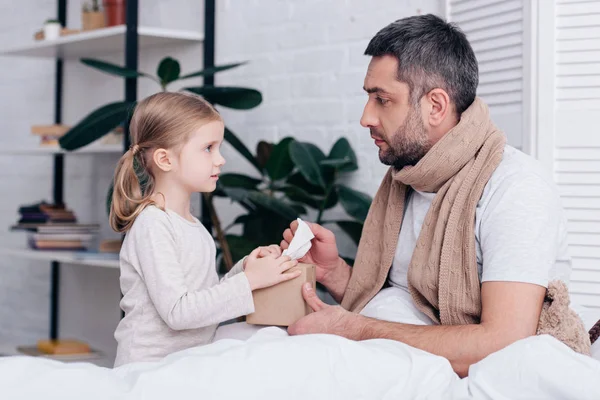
(172, 296)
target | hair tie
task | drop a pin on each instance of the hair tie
(135, 149)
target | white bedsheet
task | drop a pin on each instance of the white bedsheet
(271, 365)
(252, 363)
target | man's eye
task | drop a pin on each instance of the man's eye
(381, 100)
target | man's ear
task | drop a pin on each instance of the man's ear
(440, 107)
(162, 159)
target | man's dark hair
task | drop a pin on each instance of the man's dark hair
(431, 53)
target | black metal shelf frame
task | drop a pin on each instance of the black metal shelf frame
(131, 61)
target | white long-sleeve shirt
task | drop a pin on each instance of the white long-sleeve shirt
(172, 296)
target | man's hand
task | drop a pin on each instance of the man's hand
(326, 319)
(332, 270)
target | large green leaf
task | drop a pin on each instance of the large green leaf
(297, 179)
(335, 163)
(354, 202)
(238, 98)
(307, 156)
(280, 163)
(168, 70)
(343, 156)
(236, 193)
(274, 204)
(239, 180)
(332, 200)
(352, 228)
(212, 70)
(240, 247)
(242, 149)
(112, 69)
(263, 153)
(299, 195)
(95, 125)
(265, 226)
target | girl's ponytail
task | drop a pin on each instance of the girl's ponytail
(129, 197)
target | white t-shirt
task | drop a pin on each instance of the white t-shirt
(520, 228)
(172, 296)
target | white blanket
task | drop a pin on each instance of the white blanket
(253, 363)
(271, 365)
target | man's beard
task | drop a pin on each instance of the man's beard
(408, 144)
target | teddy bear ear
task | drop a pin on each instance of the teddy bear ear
(559, 293)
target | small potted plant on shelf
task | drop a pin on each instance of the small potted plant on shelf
(92, 17)
(52, 28)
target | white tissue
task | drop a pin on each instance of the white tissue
(301, 242)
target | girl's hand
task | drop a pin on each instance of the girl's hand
(266, 251)
(272, 250)
(268, 271)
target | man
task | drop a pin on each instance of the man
(469, 230)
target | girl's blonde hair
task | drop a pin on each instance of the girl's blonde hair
(163, 120)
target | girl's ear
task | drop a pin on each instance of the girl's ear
(162, 159)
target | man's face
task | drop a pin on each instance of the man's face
(395, 123)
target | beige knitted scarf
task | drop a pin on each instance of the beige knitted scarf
(442, 276)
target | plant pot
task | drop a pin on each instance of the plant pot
(92, 20)
(115, 12)
(52, 30)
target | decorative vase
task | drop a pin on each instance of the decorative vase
(115, 12)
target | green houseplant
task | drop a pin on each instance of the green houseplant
(294, 178)
(104, 119)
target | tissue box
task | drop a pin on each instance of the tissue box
(283, 304)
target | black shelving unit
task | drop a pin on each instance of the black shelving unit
(130, 94)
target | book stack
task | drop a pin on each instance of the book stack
(55, 227)
(44, 212)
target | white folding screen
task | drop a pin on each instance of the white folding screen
(577, 137)
(539, 63)
(495, 31)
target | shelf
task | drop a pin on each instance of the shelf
(101, 41)
(95, 357)
(46, 150)
(67, 257)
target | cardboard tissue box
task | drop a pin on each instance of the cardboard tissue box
(283, 304)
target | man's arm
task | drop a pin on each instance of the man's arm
(337, 280)
(510, 311)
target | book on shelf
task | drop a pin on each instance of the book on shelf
(71, 245)
(54, 227)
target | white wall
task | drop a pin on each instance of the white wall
(27, 92)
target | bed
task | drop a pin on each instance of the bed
(251, 363)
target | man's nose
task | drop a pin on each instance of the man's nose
(369, 117)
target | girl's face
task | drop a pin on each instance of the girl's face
(200, 160)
